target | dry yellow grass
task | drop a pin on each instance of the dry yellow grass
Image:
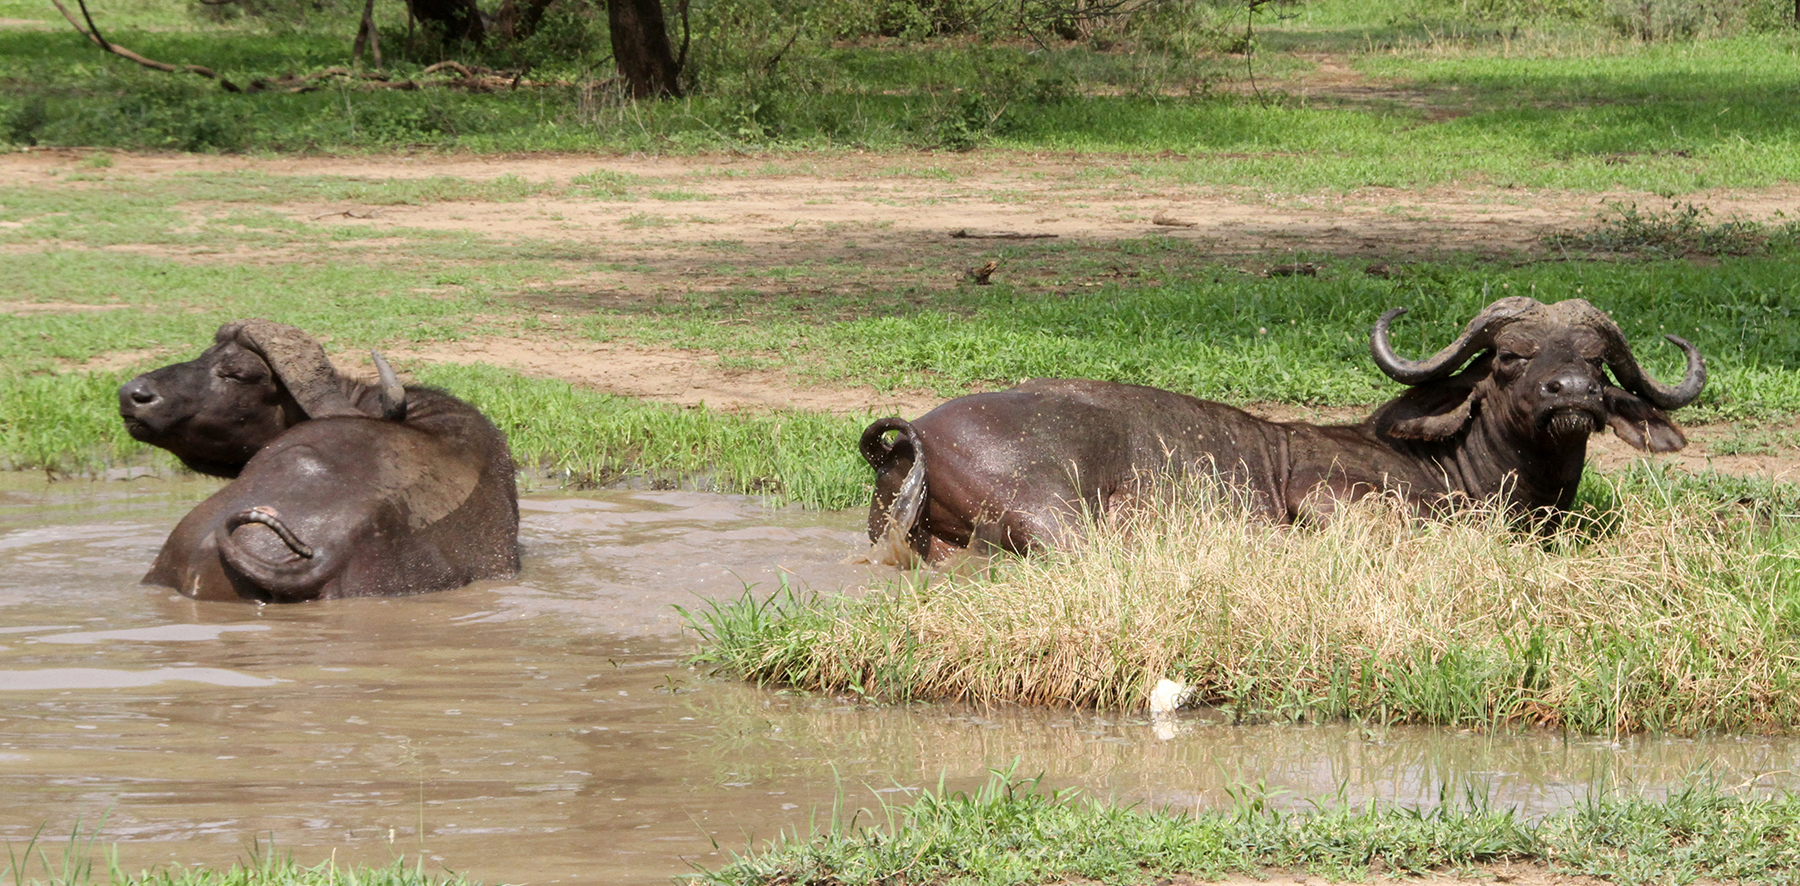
(1659, 614)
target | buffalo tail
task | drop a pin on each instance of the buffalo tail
(291, 580)
(895, 544)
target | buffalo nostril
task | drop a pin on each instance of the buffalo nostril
(138, 393)
(1553, 386)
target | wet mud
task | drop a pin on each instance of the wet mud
(548, 729)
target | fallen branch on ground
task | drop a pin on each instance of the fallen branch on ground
(971, 234)
(462, 77)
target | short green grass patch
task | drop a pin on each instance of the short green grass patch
(598, 439)
(1216, 332)
(1656, 608)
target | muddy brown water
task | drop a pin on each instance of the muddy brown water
(547, 729)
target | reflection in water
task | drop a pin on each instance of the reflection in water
(545, 728)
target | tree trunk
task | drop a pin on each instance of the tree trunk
(454, 19)
(640, 44)
(367, 36)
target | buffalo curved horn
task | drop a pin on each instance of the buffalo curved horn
(393, 394)
(1633, 378)
(1476, 337)
(299, 361)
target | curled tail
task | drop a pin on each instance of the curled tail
(892, 530)
(292, 580)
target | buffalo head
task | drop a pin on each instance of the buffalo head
(1538, 381)
(257, 380)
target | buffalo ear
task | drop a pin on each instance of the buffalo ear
(299, 362)
(1641, 424)
(1441, 421)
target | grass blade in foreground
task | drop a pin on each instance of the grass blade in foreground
(76, 868)
(1655, 610)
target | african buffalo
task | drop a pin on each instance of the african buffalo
(342, 489)
(1011, 468)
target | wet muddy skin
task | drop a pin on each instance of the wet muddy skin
(546, 729)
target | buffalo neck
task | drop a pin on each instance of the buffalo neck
(1491, 459)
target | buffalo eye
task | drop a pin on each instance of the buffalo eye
(248, 375)
(1509, 360)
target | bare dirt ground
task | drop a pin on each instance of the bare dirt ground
(662, 227)
(898, 212)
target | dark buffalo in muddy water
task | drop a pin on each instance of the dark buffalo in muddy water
(1013, 468)
(341, 489)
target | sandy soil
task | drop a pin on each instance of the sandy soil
(852, 222)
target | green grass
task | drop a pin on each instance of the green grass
(68, 424)
(598, 439)
(1018, 832)
(1217, 333)
(1203, 329)
(1562, 107)
(1681, 230)
(1664, 605)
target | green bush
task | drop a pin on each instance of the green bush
(156, 111)
(1651, 20)
(22, 122)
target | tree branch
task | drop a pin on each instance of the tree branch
(366, 35)
(92, 32)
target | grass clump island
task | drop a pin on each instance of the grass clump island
(1658, 607)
